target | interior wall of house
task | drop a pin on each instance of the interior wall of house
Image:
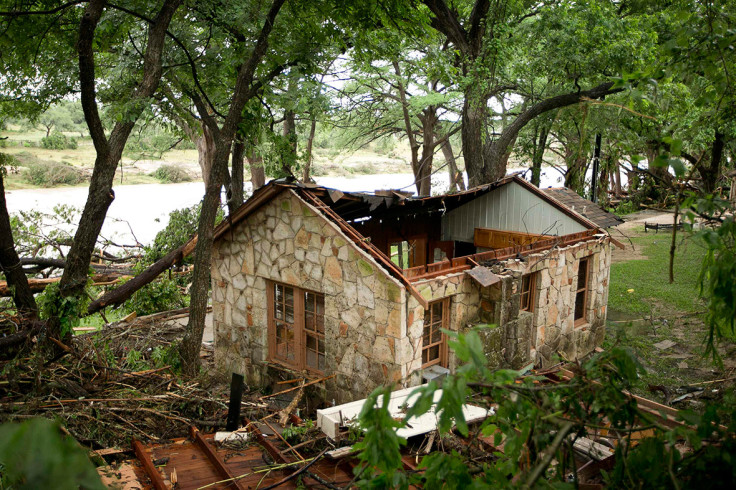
(509, 207)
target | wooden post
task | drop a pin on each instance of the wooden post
(236, 395)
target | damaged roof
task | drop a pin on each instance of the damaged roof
(351, 206)
(580, 205)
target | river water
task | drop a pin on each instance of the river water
(141, 211)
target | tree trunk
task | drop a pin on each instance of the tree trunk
(205, 152)
(618, 190)
(457, 182)
(538, 156)
(10, 263)
(242, 93)
(119, 295)
(109, 151)
(291, 136)
(473, 119)
(408, 128)
(257, 172)
(310, 141)
(237, 181)
(192, 341)
(491, 165)
(575, 176)
(712, 172)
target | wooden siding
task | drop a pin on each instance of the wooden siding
(493, 239)
(512, 208)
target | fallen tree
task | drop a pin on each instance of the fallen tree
(118, 295)
(34, 265)
(38, 285)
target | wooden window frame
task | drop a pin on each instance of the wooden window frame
(442, 343)
(585, 290)
(299, 326)
(531, 294)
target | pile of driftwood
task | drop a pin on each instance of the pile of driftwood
(109, 386)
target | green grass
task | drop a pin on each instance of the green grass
(649, 278)
(656, 310)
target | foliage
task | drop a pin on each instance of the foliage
(717, 278)
(173, 174)
(296, 433)
(58, 141)
(68, 309)
(539, 423)
(160, 295)
(379, 455)
(181, 227)
(34, 454)
(42, 234)
(50, 174)
(166, 356)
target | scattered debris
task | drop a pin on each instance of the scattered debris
(665, 344)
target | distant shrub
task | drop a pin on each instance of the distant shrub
(181, 227)
(58, 141)
(172, 173)
(49, 174)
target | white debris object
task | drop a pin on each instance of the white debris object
(232, 436)
(331, 419)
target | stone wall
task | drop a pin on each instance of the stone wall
(554, 330)
(519, 337)
(365, 309)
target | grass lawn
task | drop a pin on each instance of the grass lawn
(640, 286)
(645, 309)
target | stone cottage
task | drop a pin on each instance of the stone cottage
(311, 281)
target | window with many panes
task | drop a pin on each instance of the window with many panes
(296, 323)
(581, 293)
(434, 343)
(528, 291)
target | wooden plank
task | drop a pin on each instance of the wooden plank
(156, 478)
(213, 458)
(267, 445)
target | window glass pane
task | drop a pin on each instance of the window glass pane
(321, 358)
(289, 314)
(583, 274)
(437, 311)
(425, 356)
(436, 335)
(434, 353)
(312, 359)
(579, 305)
(320, 305)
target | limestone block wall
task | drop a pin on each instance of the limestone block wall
(554, 328)
(464, 307)
(287, 241)
(519, 336)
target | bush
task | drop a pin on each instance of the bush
(51, 174)
(161, 295)
(58, 141)
(172, 174)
